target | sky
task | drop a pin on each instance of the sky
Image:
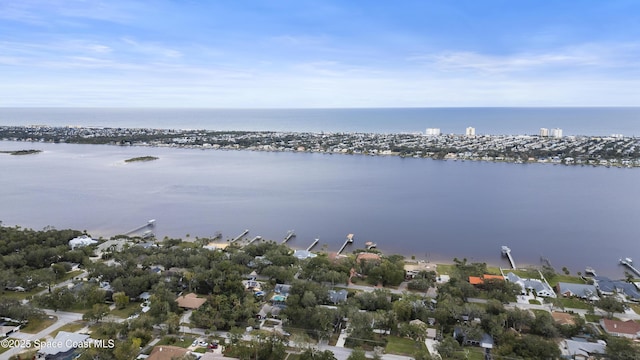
(319, 54)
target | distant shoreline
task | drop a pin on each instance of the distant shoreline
(604, 151)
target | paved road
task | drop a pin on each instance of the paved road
(63, 318)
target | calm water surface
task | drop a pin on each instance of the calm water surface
(574, 216)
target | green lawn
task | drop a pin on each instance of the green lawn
(175, 341)
(572, 303)
(37, 325)
(71, 327)
(445, 269)
(402, 346)
(526, 273)
(473, 353)
(128, 310)
(566, 279)
(534, 302)
(592, 318)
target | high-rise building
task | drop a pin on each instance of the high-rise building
(544, 132)
(556, 133)
(433, 131)
(471, 131)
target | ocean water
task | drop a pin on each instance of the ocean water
(574, 121)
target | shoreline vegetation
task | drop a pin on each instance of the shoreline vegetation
(607, 151)
(142, 158)
(21, 152)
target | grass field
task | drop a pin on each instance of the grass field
(402, 346)
(38, 325)
(570, 303)
(70, 327)
(566, 279)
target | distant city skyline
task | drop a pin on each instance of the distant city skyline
(330, 54)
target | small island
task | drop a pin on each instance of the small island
(21, 152)
(142, 158)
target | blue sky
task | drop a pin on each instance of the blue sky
(298, 54)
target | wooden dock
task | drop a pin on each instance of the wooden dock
(629, 263)
(507, 252)
(290, 234)
(346, 242)
(254, 240)
(240, 236)
(314, 243)
(151, 223)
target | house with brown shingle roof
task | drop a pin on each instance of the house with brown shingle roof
(190, 301)
(629, 329)
(166, 352)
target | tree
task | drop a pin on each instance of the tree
(619, 348)
(96, 313)
(121, 299)
(313, 354)
(610, 304)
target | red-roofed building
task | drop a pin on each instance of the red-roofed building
(629, 329)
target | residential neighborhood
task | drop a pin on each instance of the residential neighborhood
(183, 298)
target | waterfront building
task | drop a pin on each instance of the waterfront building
(544, 132)
(556, 133)
(471, 131)
(433, 132)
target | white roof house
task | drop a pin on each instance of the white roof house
(80, 241)
(63, 342)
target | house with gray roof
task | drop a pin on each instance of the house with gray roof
(607, 286)
(583, 291)
(581, 349)
(337, 296)
(64, 343)
(538, 287)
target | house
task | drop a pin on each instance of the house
(63, 345)
(607, 286)
(537, 287)
(337, 296)
(582, 350)
(282, 289)
(473, 336)
(80, 241)
(629, 329)
(214, 356)
(190, 301)
(268, 309)
(303, 254)
(166, 352)
(8, 330)
(583, 291)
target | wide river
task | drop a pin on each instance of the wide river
(434, 210)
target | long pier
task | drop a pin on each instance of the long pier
(253, 240)
(507, 252)
(240, 236)
(629, 263)
(290, 234)
(314, 243)
(151, 223)
(346, 242)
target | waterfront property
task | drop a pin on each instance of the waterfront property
(535, 286)
(583, 291)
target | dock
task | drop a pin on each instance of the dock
(629, 263)
(507, 252)
(240, 236)
(290, 234)
(254, 240)
(151, 223)
(589, 271)
(346, 242)
(370, 245)
(216, 236)
(314, 243)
